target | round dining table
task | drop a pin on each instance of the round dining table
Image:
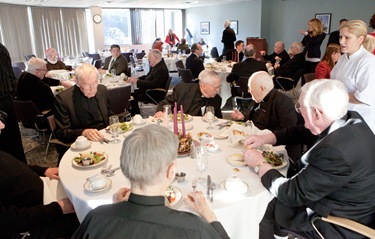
(240, 214)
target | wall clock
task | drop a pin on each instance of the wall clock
(97, 18)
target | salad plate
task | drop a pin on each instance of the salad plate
(95, 159)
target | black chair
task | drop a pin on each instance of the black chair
(307, 78)
(243, 97)
(17, 71)
(20, 64)
(30, 116)
(98, 64)
(119, 99)
(28, 57)
(158, 94)
(94, 56)
(52, 138)
(137, 68)
(179, 64)
(126, 55)
(186, 75)
(287, 83)
(214, 52)
(140, 55)
(85, 54)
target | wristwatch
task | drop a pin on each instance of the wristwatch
(257, 168)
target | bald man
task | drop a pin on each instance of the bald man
(270, 109)
(278, 52)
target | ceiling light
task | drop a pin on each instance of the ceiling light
(36, 1)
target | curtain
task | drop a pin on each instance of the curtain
(65, 30)
(148, 24)
(15, 31)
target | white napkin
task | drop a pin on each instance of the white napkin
(52, 190)
(248, 130)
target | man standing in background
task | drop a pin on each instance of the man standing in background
(229, 37)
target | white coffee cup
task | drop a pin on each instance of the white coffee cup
(97, 181)
(234, 184)
(137, 119)
(81, 142)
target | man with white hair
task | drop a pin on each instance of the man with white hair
(140, 212)
(195, 96)
(53, 63)
(229, 37)
(337, 172)
(270, 109)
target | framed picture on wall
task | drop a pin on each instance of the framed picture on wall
(325, 18)
(205, 28)
(234, 26)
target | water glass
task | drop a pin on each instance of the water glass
(113, 72)
(224, 58)
(210, 116)
(167, 109)
(114, 127)
(201, 163)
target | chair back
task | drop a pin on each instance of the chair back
(26, 112)
(140, 55)
(243, 88)
(126, 55)
(85, 54)
(132, 61)
(157, 95)
(20, 64)
(28, 57)
(168, 84)
(98, 64)
(214, 52)
(17, 71)
(308, 77)
(52, 124)
(179, 64)
(119, 99)
(94, 56)
(186, 75)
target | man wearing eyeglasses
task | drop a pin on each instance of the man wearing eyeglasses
(336, 175)
(31, 87)
(195, 96)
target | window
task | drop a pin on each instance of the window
(116, 26)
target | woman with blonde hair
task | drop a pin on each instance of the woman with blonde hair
(372, 42)
(171, 38)
(331, 56)
(356, 69)
(312, 41)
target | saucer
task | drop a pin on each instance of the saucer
(236, 160)
(86, 186)
(243, 189)
(75, 147)
(140, 123)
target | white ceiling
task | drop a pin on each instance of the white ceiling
(166, 4)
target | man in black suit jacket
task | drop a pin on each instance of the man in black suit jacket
(195, 96)
(229, 37)
(236, 54)
(115, 62)
(279, 54)
(83, 109)
(193, 62)
(245, 68)
(157, 77)
(336, 174)
(31, 87)
(334, 37)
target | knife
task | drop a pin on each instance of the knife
(208, 185)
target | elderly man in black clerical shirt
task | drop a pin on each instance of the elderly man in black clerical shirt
(83, 109)
(140, 212)
(195, 96)
(279, 54)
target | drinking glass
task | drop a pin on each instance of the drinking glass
(166, 112)
(210, 116)
(224, 58)
(113, 72)
(114, 127)
(201, 162)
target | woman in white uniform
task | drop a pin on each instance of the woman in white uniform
(356, 69)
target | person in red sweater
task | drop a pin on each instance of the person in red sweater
(171, 38)
(331, 56)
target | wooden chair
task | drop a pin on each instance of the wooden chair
(186, 75)
(30, 116)
(52, 138)
(20, 64)
(307, 78)
(346, 223)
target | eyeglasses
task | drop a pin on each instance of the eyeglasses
(297, 107)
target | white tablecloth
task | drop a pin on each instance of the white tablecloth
(239, 214)
(169, 61)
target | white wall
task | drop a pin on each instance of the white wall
(274, 19)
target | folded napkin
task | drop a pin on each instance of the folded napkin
(238, 133)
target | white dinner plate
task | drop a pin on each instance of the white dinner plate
(75, 164)
(86, 186)
(218, 134)
(178, 197)
(190, 118)
(75, 147)
(236, 160)
(242, 190)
